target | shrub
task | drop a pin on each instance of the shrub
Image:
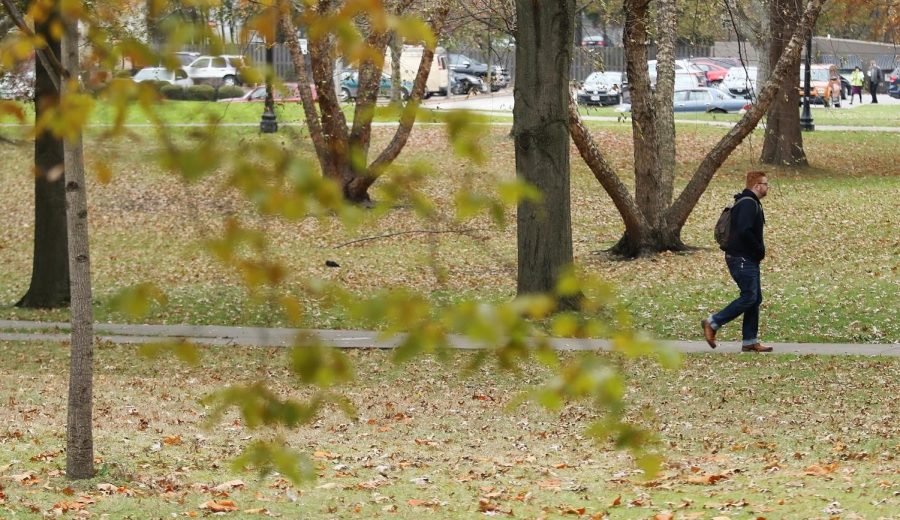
(201, 93)
(157, 85)
(229, 91)
(173, 92)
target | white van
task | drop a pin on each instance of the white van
(438, 76)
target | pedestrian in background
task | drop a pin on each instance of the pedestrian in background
(856, 83)
(875, 79)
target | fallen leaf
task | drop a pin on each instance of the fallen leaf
(228, 486)
(705, 479)
(219, 506)
(663, 515)
(616, 502)
(819, 470)
(172, 440)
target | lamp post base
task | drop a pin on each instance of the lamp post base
(268, 124)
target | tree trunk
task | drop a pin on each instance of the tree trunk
(642, 235)
(665, 114)
(543, 57)
(643, 110)
(396, 44)
(783, 143)
(79, 431)
(50, 269)
(343, 152)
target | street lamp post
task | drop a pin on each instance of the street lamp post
(269, 122)
(806, 120)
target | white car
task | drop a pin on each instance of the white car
(172, 77)
(683, 68)
(740, 81)
(216, 70)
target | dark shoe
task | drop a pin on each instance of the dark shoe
(708, 333)
(756, 347)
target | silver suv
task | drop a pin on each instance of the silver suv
(216, 70)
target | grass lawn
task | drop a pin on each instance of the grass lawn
(743, 437)
(830, 276)
(866, 115)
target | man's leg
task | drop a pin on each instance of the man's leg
(873, 88)
(746, 275)
(750, 328)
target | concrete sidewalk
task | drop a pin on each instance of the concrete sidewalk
(281, 337)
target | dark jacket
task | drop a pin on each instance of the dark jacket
(745, 238)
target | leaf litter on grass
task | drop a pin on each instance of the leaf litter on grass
(780, 437)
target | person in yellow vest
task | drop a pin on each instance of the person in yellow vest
(856, 82)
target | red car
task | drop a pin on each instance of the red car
(714, 69)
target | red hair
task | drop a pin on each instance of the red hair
(754, 178)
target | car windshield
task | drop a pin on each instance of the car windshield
(815, 74)
(605, 78)
(462, 59)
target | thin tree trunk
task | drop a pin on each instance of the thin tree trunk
(684, 204)
(79, 431)
(783, 143)
(49, 286)
(543, 57)
(396, 45)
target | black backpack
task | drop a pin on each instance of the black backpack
(723, 225)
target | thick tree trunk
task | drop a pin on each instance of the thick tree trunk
(540, 114)
(79, 431)
(643, 111)
(50, 268)
(665, 114)
(783, 143)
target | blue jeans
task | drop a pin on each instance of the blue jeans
(745, 273)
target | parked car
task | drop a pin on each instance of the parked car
(172, 77)
(185, 57)
(596, 40)
(350, 86)
(893, 83)
(819, 83)
(714, 69)
(708, 100)
(683, 67)
(603, 88)
(462, 63)
(462, 83)
(286, 93)
(741, 81)
(217, 70)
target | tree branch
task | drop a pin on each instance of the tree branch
(51, 62)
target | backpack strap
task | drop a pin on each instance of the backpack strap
(745, 198)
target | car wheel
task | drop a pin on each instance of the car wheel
(345, 95)
(716, 110)
(427, 95)
(229, 81)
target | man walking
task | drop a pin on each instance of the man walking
(875, 79)
(744, 252)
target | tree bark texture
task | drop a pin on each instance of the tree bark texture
(79, 431)
(49, 286)
(783, 143)
(343, 152)
(643, 235)
(544, 48)
(660, 198)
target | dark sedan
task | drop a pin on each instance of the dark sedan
(603, 88)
